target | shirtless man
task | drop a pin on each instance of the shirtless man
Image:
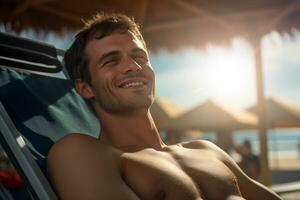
(109, 65)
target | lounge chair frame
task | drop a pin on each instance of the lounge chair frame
(17, 150)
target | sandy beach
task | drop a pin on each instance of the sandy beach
(286, 163)
(291, 196)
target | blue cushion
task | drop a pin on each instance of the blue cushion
(44, 109)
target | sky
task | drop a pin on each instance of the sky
(189, 77)
(227, 74)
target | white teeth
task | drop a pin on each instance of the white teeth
(132, 84)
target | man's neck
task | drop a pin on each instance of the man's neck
(130, 132)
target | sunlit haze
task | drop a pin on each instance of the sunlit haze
(227, 74)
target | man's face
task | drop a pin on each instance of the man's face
(121, 74)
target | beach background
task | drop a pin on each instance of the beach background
(284, 151)
(284, 154)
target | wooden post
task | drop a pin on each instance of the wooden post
(262, 117)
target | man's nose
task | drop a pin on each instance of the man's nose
(130, 65)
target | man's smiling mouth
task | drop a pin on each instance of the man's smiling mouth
(132, 84)
(136, 82)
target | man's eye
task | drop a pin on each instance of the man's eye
(141, 59)
(110, 62)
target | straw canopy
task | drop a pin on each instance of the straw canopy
(280, 113)
(169, 24)
(163, 110)
(211, 116)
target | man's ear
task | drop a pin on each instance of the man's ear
(84, 89)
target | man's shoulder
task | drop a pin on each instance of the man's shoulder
(199, 144)
(209, 147)
(77, 141)
(80, 148)
(82, 167)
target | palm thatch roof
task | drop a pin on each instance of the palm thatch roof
(163, 110)
(170, 23)
(211, 116)
(280, 113)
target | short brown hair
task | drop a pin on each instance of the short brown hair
(103, 25)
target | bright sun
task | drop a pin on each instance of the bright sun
(228, 73)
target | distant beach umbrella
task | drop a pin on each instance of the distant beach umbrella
(163, 110)
(280, 113)
(211, 116)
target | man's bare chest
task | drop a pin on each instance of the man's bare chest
(185, 174)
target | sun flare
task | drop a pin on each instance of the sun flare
(228, 73)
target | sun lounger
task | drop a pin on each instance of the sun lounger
(38, 106)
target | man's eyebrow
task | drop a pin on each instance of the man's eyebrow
(139, 50)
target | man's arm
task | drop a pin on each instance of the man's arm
(80, 168)
(250, 189)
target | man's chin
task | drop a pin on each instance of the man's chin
(141, 103)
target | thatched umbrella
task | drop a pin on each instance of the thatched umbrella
(163, 111)
(211, 116)
(171, 24)
(280, 113)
